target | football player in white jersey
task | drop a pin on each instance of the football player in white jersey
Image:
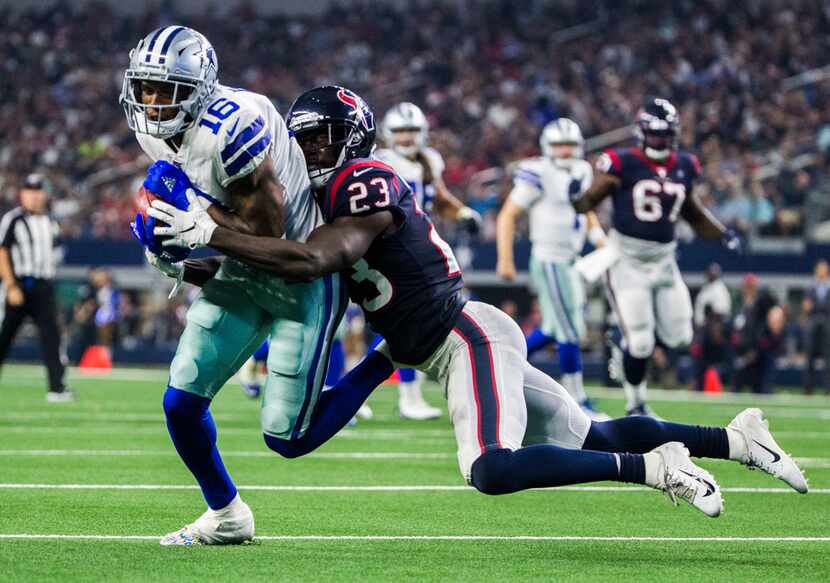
(542, 188)
(233, 148)
(405, 129)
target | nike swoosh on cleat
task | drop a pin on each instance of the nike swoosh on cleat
(357, 173)
(775, 456)
(710, 487)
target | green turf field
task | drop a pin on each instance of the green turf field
(384, 501)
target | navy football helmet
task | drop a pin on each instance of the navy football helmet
(658, 127)
(332, 124)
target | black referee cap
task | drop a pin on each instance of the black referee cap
(35, 181)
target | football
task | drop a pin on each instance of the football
(144, 198)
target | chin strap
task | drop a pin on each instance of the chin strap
(658, 155)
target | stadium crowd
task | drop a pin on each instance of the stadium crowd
(487, 90)
(752, 106)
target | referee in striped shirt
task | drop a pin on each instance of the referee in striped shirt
(28, 254)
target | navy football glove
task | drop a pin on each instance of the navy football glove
(469, 220)
(732, 241)
(169, 183)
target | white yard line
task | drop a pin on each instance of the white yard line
(35, 372)
(446, 538)
(389, 488)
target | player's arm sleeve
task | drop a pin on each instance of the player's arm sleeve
(601, 184)
(436, 162)
(527, 187)
(244, 143)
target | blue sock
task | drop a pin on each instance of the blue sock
(337, 361)
(537, 340)
(642, 434)
(570, 358)
(407, 375)
(193, 433)
(261, 354)
(501, 471)
(336, 406)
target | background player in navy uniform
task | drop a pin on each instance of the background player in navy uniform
(651, 188)
(515, 427)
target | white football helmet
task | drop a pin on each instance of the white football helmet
(181, 57)
(561, 131)
(405, 116)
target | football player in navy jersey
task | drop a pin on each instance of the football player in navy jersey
(515, 427)
(651, 188)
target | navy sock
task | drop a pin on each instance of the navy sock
(336, 406)
(193, 433)
(501, 471)
(537, 340)
(634, 368)
(337, 362)
(642, 434)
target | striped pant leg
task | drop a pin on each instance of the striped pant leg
(630, 294)
(298, 356)
(673, 311)
(486, 355)
(561, 300)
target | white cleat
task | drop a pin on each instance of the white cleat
(592, 413)
(763, 452)
(65, 396)
(365, 412)
(418, 411)
(231, 525)
(643, 410)
(681, 479)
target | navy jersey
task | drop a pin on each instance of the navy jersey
(409, 282)
(650, 197)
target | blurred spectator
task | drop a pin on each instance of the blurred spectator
(484, 77)
(108, 300)
(816, 307)
(713, 297)
(757, 337)
(713, 311)
(83, 332)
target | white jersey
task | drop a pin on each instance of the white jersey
(413, 172)
(557, 231)
(237, 131)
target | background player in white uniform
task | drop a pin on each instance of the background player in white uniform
(542, 188)
(231, 146)
(651, 188)
(405, 129)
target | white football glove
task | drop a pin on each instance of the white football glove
(171, 270)
(192, 228)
